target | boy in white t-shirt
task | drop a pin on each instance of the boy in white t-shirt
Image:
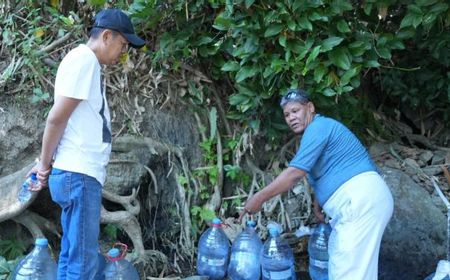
(77, 138)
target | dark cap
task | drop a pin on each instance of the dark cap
(294, 95)
(117, 20)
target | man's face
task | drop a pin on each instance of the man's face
(114, 46)
(298, 115)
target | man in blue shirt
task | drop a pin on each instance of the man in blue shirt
(346, 185)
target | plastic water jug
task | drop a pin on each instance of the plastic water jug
(213, 252)
(277, 258)
(245, 253)
(318, 252)
(118, 268)
(37, 265)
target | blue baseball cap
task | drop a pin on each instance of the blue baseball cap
(118, 21)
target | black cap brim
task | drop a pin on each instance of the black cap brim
(134, 40)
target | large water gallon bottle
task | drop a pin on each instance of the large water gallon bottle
(24, 193)
(245, 252)
(37, 265)
(213, 252)
(277, 258)
(318, 252)
(118, 268)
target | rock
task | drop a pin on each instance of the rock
(393, 163)
(426, 156)
(432, 170)
(415, 238)
(438, 158)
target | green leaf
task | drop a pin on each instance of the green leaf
(282, 40)
(406, 33)
(425, 2)
(221, 22)
(304, 23)
(96, 2)
(313, 55)
(340, 58)
(238, 99)
(345, 79)
(330, 43)
(342, 26)
(384, 53)
(372, 63)
(249, 3)
(407, 20)
(439, 8)
(273, 30)
(230, 66)
(292, 25)
(367, 8)
(319, 72)
(245, 72)
(203, 40)
(329, 92)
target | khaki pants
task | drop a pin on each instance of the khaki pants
(359, 210)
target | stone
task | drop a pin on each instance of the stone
(416, 236)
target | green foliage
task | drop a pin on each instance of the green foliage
(266, 47)
(25, 33)
(11, 248)
(421, 79)
(199, 216)
(7, 267)
(110, 231)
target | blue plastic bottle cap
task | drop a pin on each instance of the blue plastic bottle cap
(251, 223)
(216, 221)
(33, 176)
(41, 242)
(113, 253)
(273, 231)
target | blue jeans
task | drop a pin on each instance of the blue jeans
(80, 197)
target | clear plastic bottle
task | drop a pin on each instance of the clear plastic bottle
(213, 252)
(118, 268)
(277, 258)
(245, 252)
(24, 193)
(318, 252)
(37, 265)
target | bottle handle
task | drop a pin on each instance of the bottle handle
(123, 248)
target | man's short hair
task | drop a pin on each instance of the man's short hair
(96, 31)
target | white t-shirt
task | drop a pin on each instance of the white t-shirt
(85, 146)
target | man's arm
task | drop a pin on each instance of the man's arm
(286, 180)
(56, 123)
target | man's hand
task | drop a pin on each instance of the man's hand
(252, 206)
(320, 216)
(42, 173)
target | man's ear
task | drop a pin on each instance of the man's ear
(311, 107)
(105, 35)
